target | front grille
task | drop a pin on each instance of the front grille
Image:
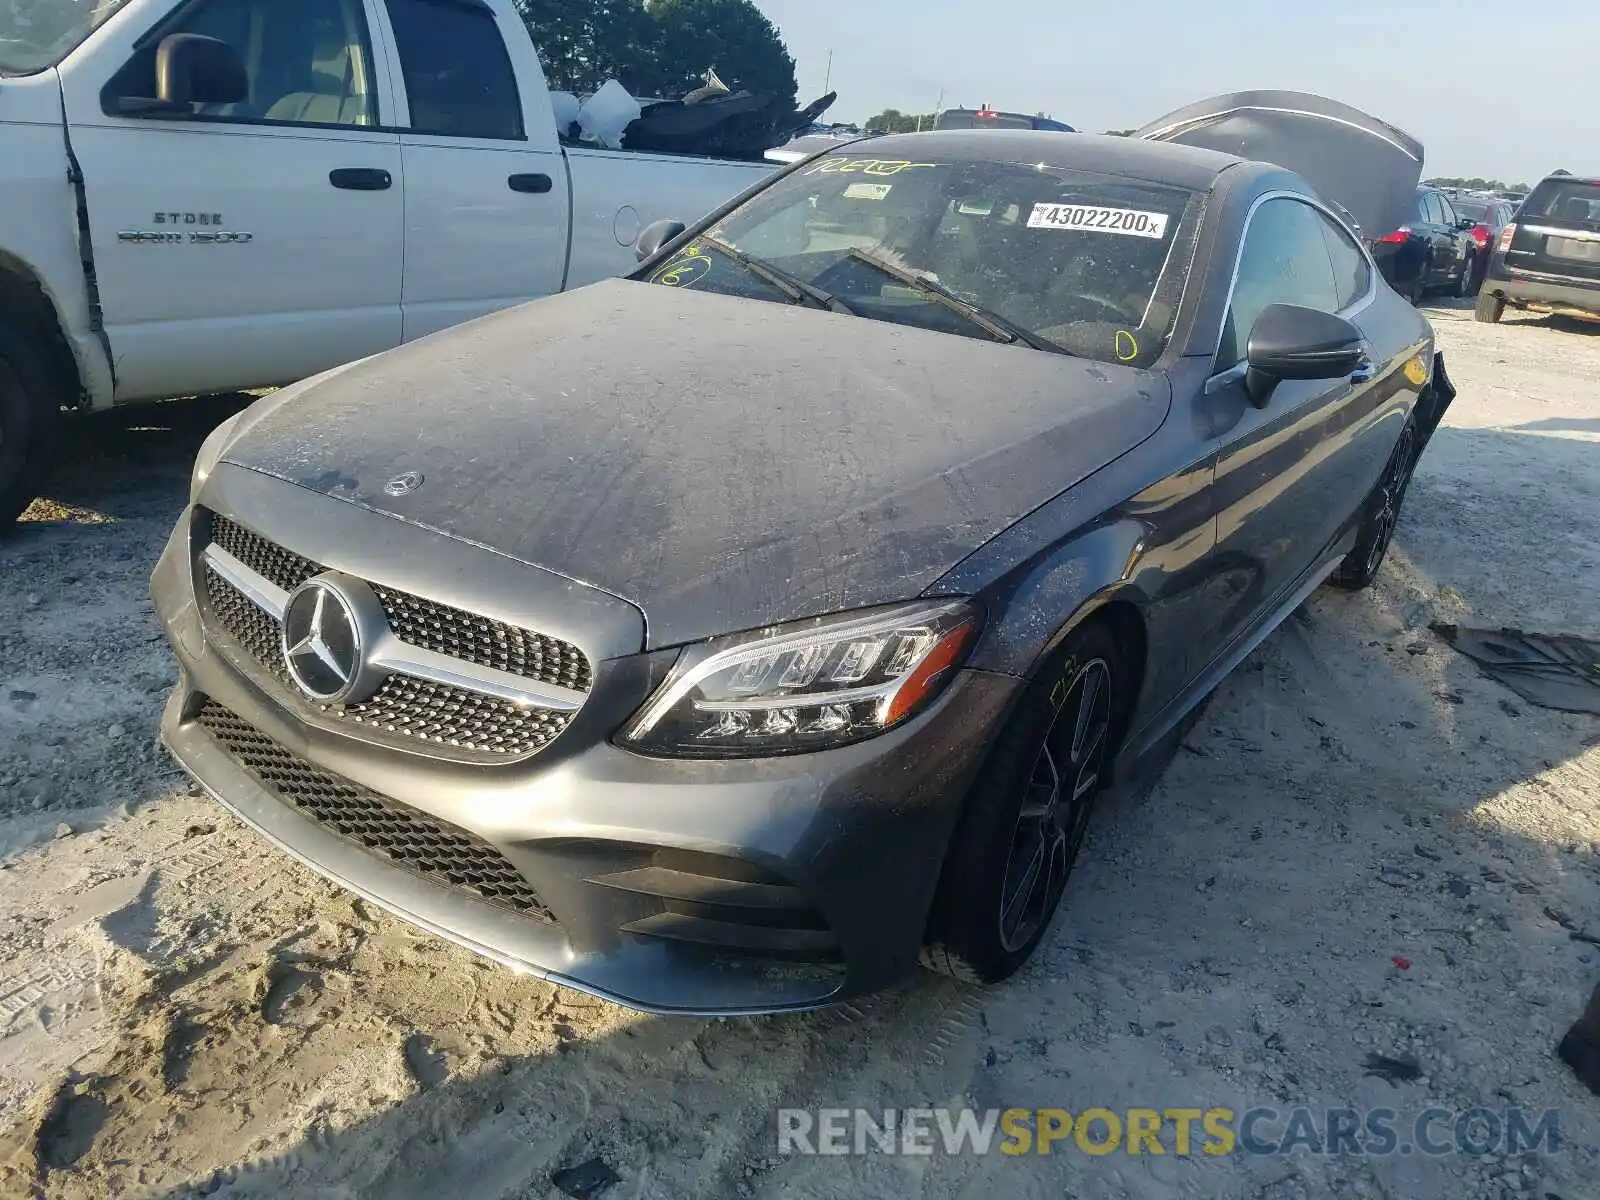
(404, 706)
(452, 632)
(267, 559)
(406, 837)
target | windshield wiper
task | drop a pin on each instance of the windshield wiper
(798, 290)
(992, 323)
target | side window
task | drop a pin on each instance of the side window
(458, 76)
(1351, 274)
(1447, 212)
(1285, 261)
(307, 62)
(1434, 208)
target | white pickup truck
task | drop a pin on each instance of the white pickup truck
(208, 195)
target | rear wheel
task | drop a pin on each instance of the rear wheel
(1490, 308)
(1028, 812)
(1469, 273)
(1361, 566)
(30, 417)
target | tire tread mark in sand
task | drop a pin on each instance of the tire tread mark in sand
(23, 991)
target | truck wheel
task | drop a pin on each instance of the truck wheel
(1490, 308)
(30, 418)
(1028, 811)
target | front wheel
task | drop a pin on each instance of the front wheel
(1028, 812)
(1360, 567)
(1469, 274)
(29, 419)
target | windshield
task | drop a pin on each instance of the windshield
(1056, 259)
(1476, 209)
(1564, 200)
(36, 34)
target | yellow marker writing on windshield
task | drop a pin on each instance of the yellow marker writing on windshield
(1127, 346)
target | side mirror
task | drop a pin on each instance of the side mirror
(1464, 223)
(1290, 342)
(656, 235)
(191, 69)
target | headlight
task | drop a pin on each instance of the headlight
(789, 690)
(210, 452)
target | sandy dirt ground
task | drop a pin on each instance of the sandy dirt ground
(184, 1011)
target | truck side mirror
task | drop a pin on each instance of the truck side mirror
(191, 69)
(656, 235)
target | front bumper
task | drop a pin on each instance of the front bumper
(684, 887)
(1544, 293)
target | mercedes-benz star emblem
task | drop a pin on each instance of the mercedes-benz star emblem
(322, 641)
(404, 484)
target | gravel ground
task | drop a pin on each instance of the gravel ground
(1363, 848)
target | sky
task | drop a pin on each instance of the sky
(1491, 88)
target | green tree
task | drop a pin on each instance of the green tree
(1477, 184)
(691, 37)
(892, 120)
(583, 43)
(661, 49)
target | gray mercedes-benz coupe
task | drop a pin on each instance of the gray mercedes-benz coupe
(727, 638)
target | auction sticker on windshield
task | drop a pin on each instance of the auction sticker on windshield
(1094, 219)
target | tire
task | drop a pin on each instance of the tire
(1021, 822)
(30, 419)
(1490, 308)
(1382, 508)
(1469, 272)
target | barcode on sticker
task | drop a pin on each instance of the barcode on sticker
(868, 191)
(1093, 219)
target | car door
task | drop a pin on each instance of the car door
(1460, 240)
(244, 244)
(1280, 493)
(487, 202)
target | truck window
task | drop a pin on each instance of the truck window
(308, 62)
(458, 76)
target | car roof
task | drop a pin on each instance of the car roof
(1152, 162)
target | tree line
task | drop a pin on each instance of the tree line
(1477, 185)
(659, 49)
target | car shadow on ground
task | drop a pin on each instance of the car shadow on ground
(114, 465)
(1348, 802)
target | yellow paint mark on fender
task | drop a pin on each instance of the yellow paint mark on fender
(1416, 371)
(1127, 346)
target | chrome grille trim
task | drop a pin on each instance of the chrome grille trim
(402, 658)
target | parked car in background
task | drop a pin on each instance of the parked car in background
(989, 118)
(1548, 258)
(624, 675)
(231, 194)
(1490, 215)
(1433, 251)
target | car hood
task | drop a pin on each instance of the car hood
(722, 463)
(1352, 158)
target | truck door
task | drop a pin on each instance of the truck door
(487, 202)
(250, 243)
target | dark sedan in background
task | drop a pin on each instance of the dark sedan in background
(1432, 251)
(726, 639)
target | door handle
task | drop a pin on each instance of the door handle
(536, 185)
(361, 179)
